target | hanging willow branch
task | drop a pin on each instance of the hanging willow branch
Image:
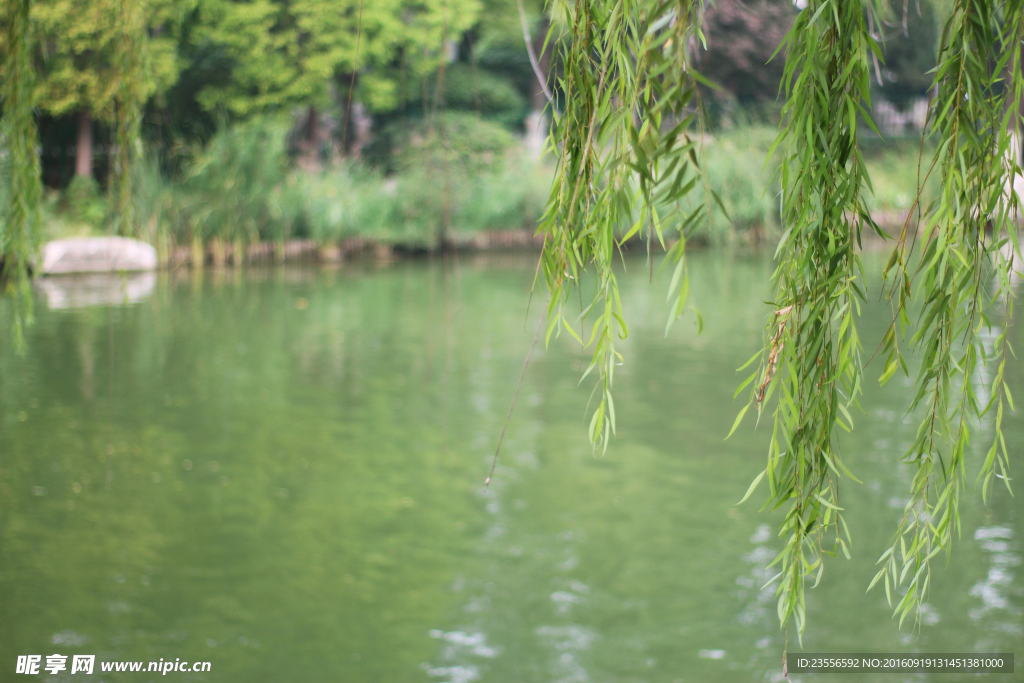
(129, 64)
(813, 353)
(20, 222)
(963, 268)
(628, 144)
(626, 159)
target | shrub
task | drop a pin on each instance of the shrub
(511, 197)
(84, 202)
(476, 90)
(455, 137)
(454, 141)
(343, 202)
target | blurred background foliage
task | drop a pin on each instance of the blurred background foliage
(400, 121)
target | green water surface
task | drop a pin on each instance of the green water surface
(280, 472)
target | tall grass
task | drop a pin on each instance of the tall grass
(453, 179)
(894, 176)
(241, 187)
(416, 209)
(232, 189)
(747, 185)
(510, 198)
(339, 204)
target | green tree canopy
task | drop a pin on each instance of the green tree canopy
(294, 53)
(77, 44)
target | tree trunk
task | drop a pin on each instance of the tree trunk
(310, 145)
(355, 122)
(83, 151)
(361, 124)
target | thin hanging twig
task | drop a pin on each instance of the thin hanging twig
(541, 76)
(352, 84)
(515, 396)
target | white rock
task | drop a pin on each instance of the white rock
(97, 255)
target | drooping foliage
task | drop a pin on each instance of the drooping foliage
(628, 143)
(970, 245)
(626, 139)
(813, 360)
(130, 67)
(20, 222)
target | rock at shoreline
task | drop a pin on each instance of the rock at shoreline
(96, 255)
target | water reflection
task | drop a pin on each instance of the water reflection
(998, 590)
(96, 289)
(754, 589)
(460, 648)
(568, 646)
(281, 472)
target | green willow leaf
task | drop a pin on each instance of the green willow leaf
(753, 485)
(739, 418)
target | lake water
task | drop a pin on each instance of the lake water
(280, 472)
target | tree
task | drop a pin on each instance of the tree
(629, 150)
(742, 37)
(130, 57)
(500, 45)
(306, 52)
(81, 56)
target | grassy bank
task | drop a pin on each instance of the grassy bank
(451, 183)
(750, 188)
(244, 187)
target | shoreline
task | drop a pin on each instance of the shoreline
(217, 252)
